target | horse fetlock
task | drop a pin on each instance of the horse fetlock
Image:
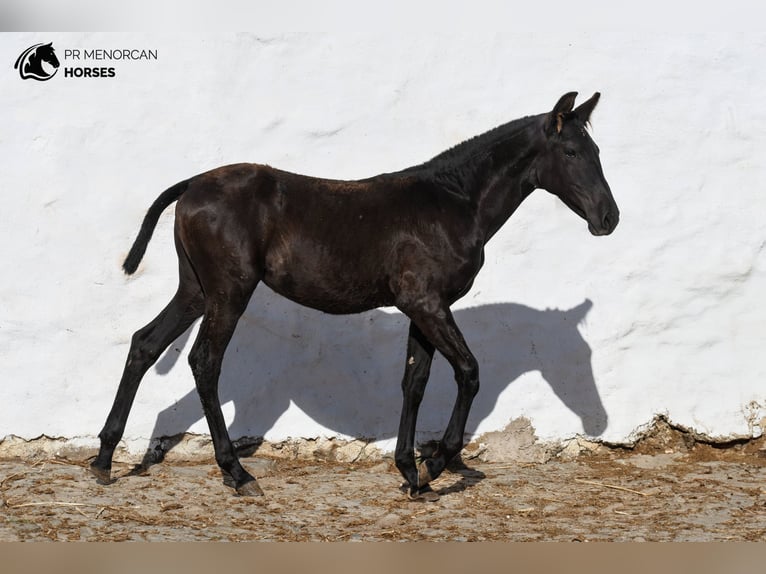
(228, 479)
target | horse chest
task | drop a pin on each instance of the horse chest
(464, 275)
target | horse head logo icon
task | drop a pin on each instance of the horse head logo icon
(30, 63)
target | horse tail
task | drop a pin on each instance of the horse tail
(138, 249)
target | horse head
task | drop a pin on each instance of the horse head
(46, 53)
(569, 166)
(30, 62)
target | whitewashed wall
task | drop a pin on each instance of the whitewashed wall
(582, 335)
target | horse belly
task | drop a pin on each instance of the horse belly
(339, 284)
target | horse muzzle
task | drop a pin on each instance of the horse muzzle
(605, 223)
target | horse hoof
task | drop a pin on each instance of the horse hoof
(103, 476)
(250, 488)
(423, 494)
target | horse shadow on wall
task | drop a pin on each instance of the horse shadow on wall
(344, 372)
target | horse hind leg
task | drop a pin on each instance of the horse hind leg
(146, 346)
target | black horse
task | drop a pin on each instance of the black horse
(413, 239)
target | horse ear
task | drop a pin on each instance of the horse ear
(585, 109)
(578, 314)
(564, 106)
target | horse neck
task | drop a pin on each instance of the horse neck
(505, 177)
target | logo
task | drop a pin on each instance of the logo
(38, 62)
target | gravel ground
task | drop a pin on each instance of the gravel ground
(700, 494)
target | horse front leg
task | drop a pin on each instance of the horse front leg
(442, 331)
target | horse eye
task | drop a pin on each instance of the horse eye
(570, 153)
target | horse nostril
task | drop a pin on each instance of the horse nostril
(610, 220)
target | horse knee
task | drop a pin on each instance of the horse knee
(206, 371)
(195, 361)
(468, 377)
(203, 375)
(202, 371)
(200, 356)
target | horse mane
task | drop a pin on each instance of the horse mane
(33, 62)
(454, 167)
(482, 143)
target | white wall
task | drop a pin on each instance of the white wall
(582, 335)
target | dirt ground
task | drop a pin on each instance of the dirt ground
(660, 491)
